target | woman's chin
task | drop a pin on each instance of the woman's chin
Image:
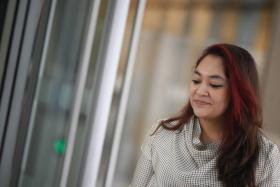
(201, 113)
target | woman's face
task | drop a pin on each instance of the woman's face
(209, 89)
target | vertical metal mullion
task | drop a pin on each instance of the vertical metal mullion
(107, 75)
(36, 95)
(10, 74)
(79, 90)
(4, 45)
(125, 91)
(5, 37)
(27, 21)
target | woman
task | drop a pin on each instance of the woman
(216, 139)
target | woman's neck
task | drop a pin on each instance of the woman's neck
(211, 130)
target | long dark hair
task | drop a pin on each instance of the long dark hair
(239, 149)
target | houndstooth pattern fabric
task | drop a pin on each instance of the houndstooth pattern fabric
(178, 159)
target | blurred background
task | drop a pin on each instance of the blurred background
(83, 81)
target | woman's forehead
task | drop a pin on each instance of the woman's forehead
(211, 65)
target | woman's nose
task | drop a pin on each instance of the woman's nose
(202, 90)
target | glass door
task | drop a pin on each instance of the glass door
(65, 75)
(55, 93)
(70, 74)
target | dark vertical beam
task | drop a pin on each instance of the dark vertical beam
(3, 10)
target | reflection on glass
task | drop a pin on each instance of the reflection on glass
(173, 34)
(119, 83)
(49, 124)
(80, 146)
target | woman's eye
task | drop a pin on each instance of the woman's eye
(216, 85)
(196, 81)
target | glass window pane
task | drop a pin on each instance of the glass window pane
(119, 84)
(81, 142)
(52, 106)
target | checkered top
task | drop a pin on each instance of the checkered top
(171, 159)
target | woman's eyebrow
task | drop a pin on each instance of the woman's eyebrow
(211, 76)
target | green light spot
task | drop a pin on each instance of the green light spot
(59, 146)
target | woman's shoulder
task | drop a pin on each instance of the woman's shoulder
(268, 149)
(163, 127)
(158, 133)
(157, 129)
(268, 168)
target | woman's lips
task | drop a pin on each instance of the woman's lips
(201, 103)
